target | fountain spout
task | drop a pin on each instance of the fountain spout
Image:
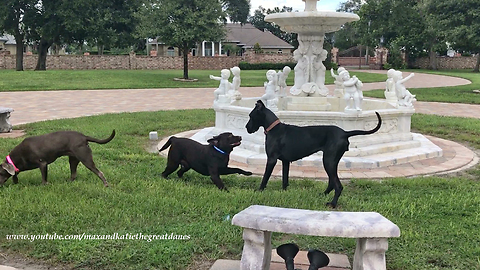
(311, 5)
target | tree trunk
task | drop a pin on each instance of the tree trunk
(477, 65)
(19, 56)
(185, 61)
(42, 54)
(433, 60)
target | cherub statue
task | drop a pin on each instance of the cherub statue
(319, 72)
(353, 91)
(282, 81)
(224, 86)
(301, 72)
(339, 89)
(390, 93)
(405, 98)
(233, 92)
(270, 97)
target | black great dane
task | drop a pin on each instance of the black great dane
(289, 143)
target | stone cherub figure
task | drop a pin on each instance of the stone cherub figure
(405, 98)
(390, 93)
(224, 86)
(235, 85)
(353, 91)
(270, 98)
(301, 72)
(339, 89)
(282, 81)
(318, 69)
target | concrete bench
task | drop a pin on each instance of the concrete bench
(371, 230)
(5, 125)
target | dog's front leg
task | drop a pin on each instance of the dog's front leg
(285, 171)
(271, 162)
(15, 179)
(228, 170)
(215, 176)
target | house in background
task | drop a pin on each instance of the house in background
(8, 44)
(239, 39)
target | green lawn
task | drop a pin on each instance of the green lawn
(11, 80)
(438, 216)
(454, 94)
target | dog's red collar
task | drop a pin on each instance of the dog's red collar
(9, 160)
(272, 125)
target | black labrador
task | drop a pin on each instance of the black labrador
(209, 160)
(39, 151)
(289, 143)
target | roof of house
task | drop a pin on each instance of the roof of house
(247, 36)
(8, 39)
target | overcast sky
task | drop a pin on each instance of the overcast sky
(329, 5)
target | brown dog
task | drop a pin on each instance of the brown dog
(39, 151)
(209, 160)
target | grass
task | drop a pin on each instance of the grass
(11, 80)
(438, 216)
(454, 94)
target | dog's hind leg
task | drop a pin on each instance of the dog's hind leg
(44, 170)
(271, 162)
(73, 167)
(84, 155)
(285, 172)
(331, 167)
(185, 167)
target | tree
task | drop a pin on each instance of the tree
(186, 23)
(401, 25)
(66, 21)
(258, 20)
(237, 10)
(460, 21)
(12, 13)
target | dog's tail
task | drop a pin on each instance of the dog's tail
(104, 141)
(167, 144)
(365, 132)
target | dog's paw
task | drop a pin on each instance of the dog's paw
(331, 205)
(247, 173)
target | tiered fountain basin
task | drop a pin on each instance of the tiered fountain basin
(311, 22)
(393, 144)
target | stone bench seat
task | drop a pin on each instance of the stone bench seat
(369, 228)
(5, 125)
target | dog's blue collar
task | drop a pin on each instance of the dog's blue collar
(219, 150)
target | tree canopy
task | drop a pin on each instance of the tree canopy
(419, 27)
(258, 20)
(186, 23)
(12, 14)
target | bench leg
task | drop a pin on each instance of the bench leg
(370, 254)
(257, 250)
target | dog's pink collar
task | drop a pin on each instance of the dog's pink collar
(9, 160)
(272, 125)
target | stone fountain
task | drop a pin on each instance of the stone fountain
(309, 103)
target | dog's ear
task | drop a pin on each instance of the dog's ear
(9, 168)
(259, 105)
(213, 140)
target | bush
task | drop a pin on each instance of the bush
(265, 66)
